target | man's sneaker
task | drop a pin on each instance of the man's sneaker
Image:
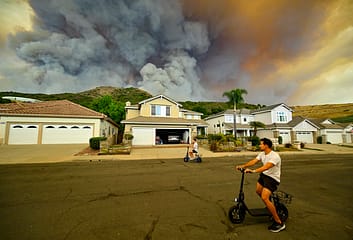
(276, 227)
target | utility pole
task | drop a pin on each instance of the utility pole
(234, 116)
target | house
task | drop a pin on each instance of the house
(223, 122)
(330, 131)
(161, 120)
(52, 122)
(347, 132)
(279, 121)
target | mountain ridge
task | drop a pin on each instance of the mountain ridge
(341, 112)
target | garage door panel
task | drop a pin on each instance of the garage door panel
(23, 134)
(334, 138)
(285, 137)
(143, 136)
(305, 137)
(66, 134)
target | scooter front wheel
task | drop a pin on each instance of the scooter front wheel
(236, 214)
(186, 159)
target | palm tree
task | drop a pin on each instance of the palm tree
(256, 125)
(235, 96)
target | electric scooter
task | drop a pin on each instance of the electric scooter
(236, 213)
(197, 158)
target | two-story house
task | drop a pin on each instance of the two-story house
(161, 120)
(223, 122)
(277, 119)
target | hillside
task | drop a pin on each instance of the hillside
(337, 112)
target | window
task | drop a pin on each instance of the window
(281, 117)
(244, 119)
(228, 118)
(49, 127)
(159, 110)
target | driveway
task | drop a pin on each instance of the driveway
(13, 154)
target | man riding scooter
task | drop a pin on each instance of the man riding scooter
(269, 179)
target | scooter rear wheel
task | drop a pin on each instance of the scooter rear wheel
(282, 212)
(236, 214)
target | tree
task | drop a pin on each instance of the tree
(113, 109)
(235, 96)
(256, 125)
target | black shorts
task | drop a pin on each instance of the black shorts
(268, 182)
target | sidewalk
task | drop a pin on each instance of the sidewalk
(14, 154)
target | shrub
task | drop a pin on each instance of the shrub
(128, 136)
(94, 142)
(280, 140)
(302, 145)
(288, 145)
(255, 140)
(319, 139)
(201, 137)
(216, 137)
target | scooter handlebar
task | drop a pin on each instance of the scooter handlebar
(241, 169)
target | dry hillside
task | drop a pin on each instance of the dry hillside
(324, 111)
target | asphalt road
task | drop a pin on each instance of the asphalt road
(170, 199)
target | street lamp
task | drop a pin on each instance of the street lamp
(234, 116)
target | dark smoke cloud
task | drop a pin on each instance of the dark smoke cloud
(188, 50)
(83, 43)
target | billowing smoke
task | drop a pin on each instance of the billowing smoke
(185, 49)
(80, 44)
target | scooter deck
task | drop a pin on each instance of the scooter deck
(259, 212)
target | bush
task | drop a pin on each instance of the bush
(280, 140)
(94, 142)
(288, 145)
(255, 140)
(216, 137)
(128, 136)
(302, 145)
(201, 137)
(319, 139)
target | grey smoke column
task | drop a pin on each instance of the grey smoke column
(79, 44)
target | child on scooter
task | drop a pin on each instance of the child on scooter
(193, 149)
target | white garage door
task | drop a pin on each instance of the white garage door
(334, 137)
(143, 136)
(285, 137)
(66, 134)
(305, 137)
(23, 134)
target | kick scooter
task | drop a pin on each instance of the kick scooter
(236, 213)
(197, 158)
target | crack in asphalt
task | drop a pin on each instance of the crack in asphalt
(150, 232)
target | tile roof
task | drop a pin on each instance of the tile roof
(49, 108)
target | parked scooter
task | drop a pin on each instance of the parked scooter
(236, 213)
(197, 158)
